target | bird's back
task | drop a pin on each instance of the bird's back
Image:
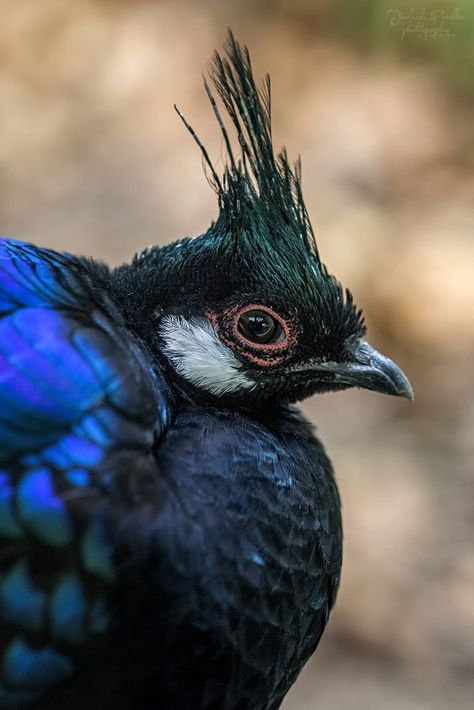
(79, 410)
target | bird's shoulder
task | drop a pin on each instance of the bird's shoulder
(66, 351)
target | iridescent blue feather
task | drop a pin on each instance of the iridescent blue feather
(71, 379)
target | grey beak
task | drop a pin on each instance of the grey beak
(368, 369)
(373, 371)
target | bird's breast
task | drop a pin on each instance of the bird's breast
(244, 553)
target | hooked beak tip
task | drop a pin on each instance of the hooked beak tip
(376, 372)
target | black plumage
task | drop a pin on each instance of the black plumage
(169, 520)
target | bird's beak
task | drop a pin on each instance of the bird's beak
(366, 368)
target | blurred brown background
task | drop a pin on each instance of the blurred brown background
(378, 98)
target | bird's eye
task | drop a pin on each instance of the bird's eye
(258, 326)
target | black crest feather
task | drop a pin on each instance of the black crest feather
(257, 185)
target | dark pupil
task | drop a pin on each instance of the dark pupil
(258, 326)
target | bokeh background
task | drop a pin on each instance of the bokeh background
(378, 98)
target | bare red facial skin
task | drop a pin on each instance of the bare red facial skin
(261, 354)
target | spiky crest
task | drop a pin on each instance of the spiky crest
(256, 185)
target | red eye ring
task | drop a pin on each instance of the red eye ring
(236, 314)
(261, 354)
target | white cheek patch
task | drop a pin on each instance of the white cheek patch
(200, 357)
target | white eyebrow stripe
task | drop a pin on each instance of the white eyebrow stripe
(198, 355)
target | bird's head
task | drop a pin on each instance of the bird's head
(247, 311)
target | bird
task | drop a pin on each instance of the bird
(170, 526)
